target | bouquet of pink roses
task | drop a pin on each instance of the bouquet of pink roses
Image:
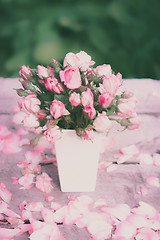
(74, 96)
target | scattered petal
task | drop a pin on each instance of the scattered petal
(4, 193)
(112, 168)
(145, 209)
(145, 158)
(123, 158)
(153, 181)
(129, 150)
(43, 183)
(26, 181)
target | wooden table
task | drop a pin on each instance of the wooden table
(119, 186)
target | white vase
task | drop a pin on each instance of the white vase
(77, 161)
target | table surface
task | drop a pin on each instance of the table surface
(122, 183)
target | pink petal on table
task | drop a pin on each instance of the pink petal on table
(24, 228)
(26, 181)
(120, 211)
(146, 234)
(124, 158)
(97, 226)
(104, 164)
(126, 230)
(34, 206)
(46, 232)
(47, 215)
(129, 150)
(26, 215)
(55, 206)
(145, 209)
(153, 181)
(111, 168)
(4, 193)
(32, 168)
(145, 158)
(154, 224)
(60, 214)
(10, 213)
(100, 202)
(22, 205)
(3, 207)
(8, 234)
(38, 235)
(73, 211)
(137, 220)
(43, 183)
(34, 157)
(22, 163)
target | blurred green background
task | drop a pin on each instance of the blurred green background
(123, 33)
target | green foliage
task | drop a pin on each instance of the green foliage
(120, 32)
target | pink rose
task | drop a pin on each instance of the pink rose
(81, 60)
(71, 77)
(52, 84)
(70, 60)
(103, 70)
(111, 83)
(31, 121)
(87, 97)
(42, 72)
(41, 113)
(89, 134)
(25, 72)
(57, 109)
(84, 60)
(75, 99)
(53, 134)
(43, 183)
(90, 110)
(29, 104)
(105, 99)
(127, 107)
(102, 123)
(50, 70)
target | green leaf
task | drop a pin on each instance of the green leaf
(28, 86)
(61, 98)
(35, 141)
(42, 122)
(21, 92)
